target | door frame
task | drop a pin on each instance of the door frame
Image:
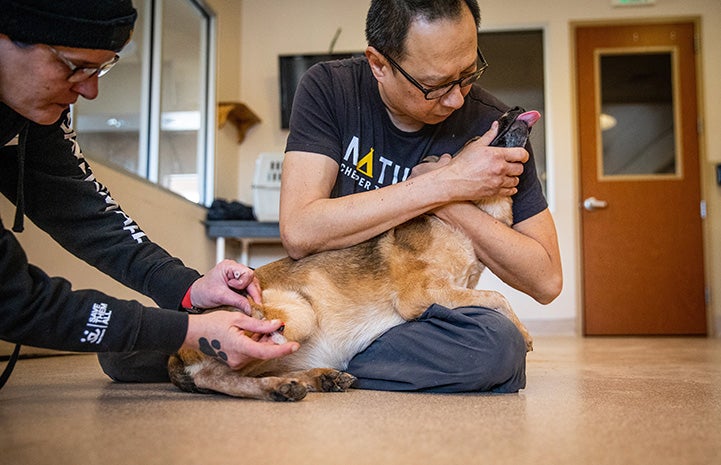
(712, 328)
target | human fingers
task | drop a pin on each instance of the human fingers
(489, 135)
(266, 349)
(514, 164)
(220, 285)
(211, 296)
(237, 275)
(237, 349)
(260, 344)
(254, 290)
(243, 278)
(515, 155)
(255, 325)
(222, 335)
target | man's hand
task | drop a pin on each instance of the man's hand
(497, 168)
(478, 170)
(221, 334)
(215, 288)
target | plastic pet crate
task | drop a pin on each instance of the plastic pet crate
(266, 186)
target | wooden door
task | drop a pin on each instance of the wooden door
(642, 247)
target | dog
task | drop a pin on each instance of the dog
(399, 274)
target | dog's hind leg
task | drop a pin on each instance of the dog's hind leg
(459, 297)
(208, 375)
(278, 389)
(323, 379)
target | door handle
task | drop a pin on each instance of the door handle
(592, 203)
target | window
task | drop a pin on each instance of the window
(638, 127)
(516, 76)
(154, 116)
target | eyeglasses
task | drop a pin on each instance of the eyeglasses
(81, 73)
(439, 91)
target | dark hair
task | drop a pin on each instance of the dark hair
(388, 21)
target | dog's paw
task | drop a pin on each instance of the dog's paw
(336, 381)
(529, 343)
(527, 338)
(290, 391)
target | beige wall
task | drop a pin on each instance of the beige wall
(253, 33)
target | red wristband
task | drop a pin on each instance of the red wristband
(186, 303)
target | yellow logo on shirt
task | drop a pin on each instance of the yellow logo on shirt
(365, 165)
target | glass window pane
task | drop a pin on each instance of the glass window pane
(182, 95)
(151, 115)
(109, 127)
(637, 115)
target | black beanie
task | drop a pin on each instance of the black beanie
(96, 24)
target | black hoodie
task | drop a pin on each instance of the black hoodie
(60, 194)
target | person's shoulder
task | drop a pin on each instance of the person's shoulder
(350, 63)
(481, 99)
(340, 69)
(10, 124)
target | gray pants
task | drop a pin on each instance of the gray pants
(470, 349)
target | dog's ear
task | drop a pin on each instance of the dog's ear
(514, 127)
(530, 117)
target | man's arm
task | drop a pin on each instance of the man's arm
(311, 221)
(526, 256)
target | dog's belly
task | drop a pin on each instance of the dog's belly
(335, 344)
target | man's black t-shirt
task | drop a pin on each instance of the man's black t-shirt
(338, 112)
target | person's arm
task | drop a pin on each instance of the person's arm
(41, 311)
(64, 199)
(311, 221)
(526, 256)
(44, 311)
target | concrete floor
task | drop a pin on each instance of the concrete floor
(588, 401)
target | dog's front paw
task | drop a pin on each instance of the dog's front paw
(529, 342)
(527, 338)
(290, 391)
(336, 381)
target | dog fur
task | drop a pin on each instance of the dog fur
(336, 303)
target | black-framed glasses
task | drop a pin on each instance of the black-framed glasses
(437, 92)
(81, 73)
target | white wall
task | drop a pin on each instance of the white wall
(270, 28)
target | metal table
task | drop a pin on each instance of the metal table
(246, 232)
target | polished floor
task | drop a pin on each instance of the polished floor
(588, 401)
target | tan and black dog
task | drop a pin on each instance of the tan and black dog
(336, 303)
